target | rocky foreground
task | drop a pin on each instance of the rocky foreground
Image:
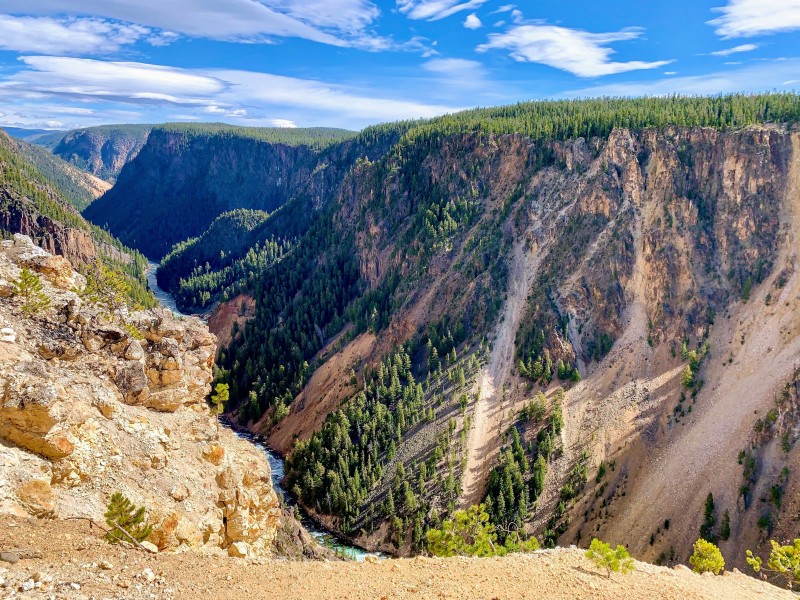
(67, 560)
(95, 401)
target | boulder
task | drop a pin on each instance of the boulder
(132, 384)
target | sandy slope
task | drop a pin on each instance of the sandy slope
(490, 407)
(65, 553)
(701, 457)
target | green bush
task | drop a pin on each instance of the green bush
(612, 560)
(784, 561)
(706, 558)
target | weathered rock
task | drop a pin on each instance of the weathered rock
(134, 351)
(32, 411)
(9, 557)
(239, 550)
(132, 383)
(62, 458)
(37, 497)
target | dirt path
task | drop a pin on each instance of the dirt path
(489, 410)
(70, 561)
(764, 341)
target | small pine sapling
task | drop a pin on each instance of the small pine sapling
(126, 521)
(29, 288)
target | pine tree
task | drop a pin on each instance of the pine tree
(122, 514)
(29, 288)
(218, 399)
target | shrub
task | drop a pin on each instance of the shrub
(784, 561)
(470, 533)
(612, 560)
(706, 557)
(123, 517)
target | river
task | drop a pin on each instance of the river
(318, 532)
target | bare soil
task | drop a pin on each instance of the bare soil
(71, 561)
(492, 404)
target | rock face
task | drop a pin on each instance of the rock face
(92, 403)
(102, 151)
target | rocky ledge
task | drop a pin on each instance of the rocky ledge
(94, 401)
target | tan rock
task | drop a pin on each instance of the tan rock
(214, 453)
(239, 550)
(150, 547)
(32, 412)
(179, 492)
(134, 351)
(37, 498)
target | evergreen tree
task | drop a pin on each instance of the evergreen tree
(29, 288)
(122, 514)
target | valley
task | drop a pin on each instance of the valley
(575, 319)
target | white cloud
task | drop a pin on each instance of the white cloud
(70, 36)
(245, 96)
(282, 123)
(473, 22)
(579, 52)
(342, 15)
(752, 78)
(746, 18)
(433, 10)
(240, 20)
(503, 9)
(454, 66)
(343, 23)
(126, 81)
(735, 50)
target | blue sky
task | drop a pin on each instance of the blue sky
(350, 63)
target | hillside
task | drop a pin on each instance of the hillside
(78, 187)
(527, 306)
(34, 201)
(101, 151)
(107, 571)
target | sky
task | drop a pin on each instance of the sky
(352, 63)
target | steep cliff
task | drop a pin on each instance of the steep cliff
(607, 257)
(101, 151)
(94, 402)
(201, 174)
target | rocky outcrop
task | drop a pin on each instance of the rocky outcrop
(92, 403)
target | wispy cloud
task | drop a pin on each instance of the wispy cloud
(433, 10)
(735, 50)
(579, 52)
(334, 22)
(72, 36)
(473, 22)
(245, 96)
(751, 78)
(746, 18)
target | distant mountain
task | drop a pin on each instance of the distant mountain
(31, 135)
(202, 171)
(101, 151)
